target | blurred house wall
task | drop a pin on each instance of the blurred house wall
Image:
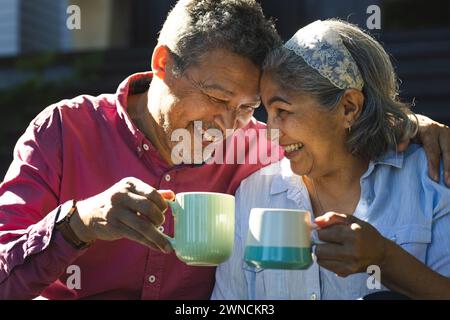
(117, 38)
(42, 26)
(26, 26)
(9, 27)
(104, 24)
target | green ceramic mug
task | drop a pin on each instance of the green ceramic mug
(204, 227)
(279, 239)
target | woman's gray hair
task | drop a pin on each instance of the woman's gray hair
(384, 120)
(194, 27)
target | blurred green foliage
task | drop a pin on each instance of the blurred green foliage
(36, 89)
(22, 102)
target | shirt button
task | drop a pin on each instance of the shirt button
(167, 177)
(161, 229)
(313, 296)
(152, 279)
(138, 149)
(145, 146)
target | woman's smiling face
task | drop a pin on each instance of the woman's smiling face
(312, 137)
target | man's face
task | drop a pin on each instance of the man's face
(220, 92)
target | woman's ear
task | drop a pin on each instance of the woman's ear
(161, 61)
(352, 103)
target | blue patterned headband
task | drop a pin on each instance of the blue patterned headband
(322, 49)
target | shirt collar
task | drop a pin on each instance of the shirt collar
(134, 84)
(284, 177)
(289, 182)
(390, 158)
(285, 180)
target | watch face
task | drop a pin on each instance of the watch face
(64, 209)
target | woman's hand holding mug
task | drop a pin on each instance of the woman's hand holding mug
(351, 244)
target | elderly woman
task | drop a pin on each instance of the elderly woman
(331, 91)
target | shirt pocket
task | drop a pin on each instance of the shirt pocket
(414, 239)
(265, 283)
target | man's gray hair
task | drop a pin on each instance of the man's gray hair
(194, 27)
(384, 120)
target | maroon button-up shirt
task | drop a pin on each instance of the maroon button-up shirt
(76, 149)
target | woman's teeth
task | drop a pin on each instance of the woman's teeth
(293, 147)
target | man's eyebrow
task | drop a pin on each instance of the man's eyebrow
(277, 99)
(217, 87)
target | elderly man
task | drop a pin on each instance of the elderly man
(80, 196)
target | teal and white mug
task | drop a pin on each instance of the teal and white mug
(204, 227)
(279, 239)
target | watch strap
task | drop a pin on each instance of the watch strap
(67, 232)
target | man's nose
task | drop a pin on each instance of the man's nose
(228, 119)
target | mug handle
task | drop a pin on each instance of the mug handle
(170, 239)
(172, 204)
(316, 242)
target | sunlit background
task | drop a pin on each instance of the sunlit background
(42, 61)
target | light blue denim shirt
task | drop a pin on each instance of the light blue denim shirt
(397, 197)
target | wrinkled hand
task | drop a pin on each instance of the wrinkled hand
(435, 138)
(352, 245)
(129, 209)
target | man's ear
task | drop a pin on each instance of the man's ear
(161, 61)
(351, 106)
